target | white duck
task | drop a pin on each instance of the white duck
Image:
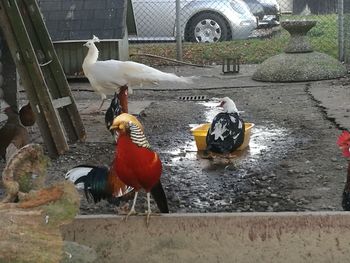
(109, 76)
(226, 132)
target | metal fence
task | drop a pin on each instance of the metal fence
(344, 31)
(206, 29)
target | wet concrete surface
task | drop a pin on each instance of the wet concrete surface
(292, 163)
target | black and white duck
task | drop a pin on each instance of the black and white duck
(226, 132)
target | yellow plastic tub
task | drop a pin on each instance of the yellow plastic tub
(200, 133)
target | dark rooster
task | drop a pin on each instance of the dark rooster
(113, 111)
(136, 164)
(101, 182)
(344, 143)
(226, 132)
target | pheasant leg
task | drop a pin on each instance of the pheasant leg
(132, 210)
(148, 213)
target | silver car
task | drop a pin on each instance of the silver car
(201, 20)
(267, 12)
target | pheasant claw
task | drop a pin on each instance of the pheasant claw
(148, 216)
(132, 212)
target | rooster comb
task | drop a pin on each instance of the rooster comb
(344, 143)
(344, 138)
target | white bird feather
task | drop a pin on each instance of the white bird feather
(228, 105)
(77, 172)
(106, 77)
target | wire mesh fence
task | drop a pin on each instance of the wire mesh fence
(212, 29)
(345, 31)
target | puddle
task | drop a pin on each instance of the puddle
(213, 109)
(184, 154)
(262, 139)
(262, 136)
(214, 184)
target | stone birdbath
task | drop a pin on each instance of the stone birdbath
(298, 42)
(299, 62)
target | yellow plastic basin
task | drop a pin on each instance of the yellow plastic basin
(200, 133)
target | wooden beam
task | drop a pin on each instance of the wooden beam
(53, 71)
(61, 102)
(42, 75)
(28, 67)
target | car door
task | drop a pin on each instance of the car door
(155, 19)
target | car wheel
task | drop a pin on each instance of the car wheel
(207, 28)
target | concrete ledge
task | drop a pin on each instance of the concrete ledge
(224, 237)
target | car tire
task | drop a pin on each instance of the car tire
(207, 28)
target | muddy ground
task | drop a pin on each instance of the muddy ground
(292, 164)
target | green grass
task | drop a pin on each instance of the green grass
(323, 37)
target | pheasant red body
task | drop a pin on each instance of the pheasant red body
(136, 166)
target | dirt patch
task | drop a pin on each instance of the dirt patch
(299, 168)
(293, 163)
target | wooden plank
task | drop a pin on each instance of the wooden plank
(69, 115)
(61, 102)
(29, 70)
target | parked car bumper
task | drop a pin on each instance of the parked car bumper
(244, 30)
(268, 21)
(266, 12)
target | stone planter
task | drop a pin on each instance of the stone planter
(299, 62)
